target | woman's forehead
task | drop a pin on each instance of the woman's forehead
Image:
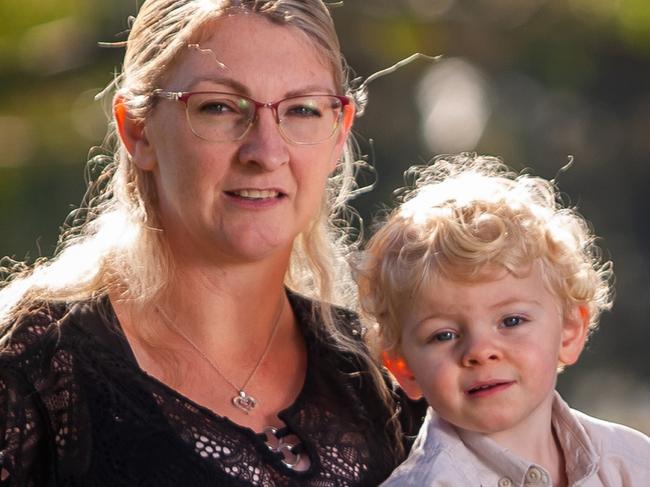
(246, 48)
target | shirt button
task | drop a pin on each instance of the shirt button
(534, 476)
(505, 482)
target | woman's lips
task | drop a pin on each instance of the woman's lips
(255, 199)
(256, 194)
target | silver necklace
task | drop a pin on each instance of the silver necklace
(242, 400)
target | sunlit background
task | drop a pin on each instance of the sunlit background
(534, 81)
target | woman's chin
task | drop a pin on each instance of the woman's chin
(249, 249)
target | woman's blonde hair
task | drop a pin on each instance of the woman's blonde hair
(466, 217)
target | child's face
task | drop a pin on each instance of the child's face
(485, 355)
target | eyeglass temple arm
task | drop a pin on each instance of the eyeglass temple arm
(169, 95)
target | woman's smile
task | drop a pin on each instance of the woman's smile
(255, 199)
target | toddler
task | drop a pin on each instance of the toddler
(483, 288)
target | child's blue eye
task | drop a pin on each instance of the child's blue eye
(443, 336)
(512, 321)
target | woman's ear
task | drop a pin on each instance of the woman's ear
(348, 119)
(344, 132)
(133, 136)
(401, 371)
(575, 330)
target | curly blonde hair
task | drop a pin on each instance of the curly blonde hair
(465, 216)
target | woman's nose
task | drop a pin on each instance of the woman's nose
(264, 145)
(480, 350)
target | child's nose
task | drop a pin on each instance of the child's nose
(480, 350)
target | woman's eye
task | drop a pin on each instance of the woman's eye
(215, 107)
(223, 106)
(443, 336)
(512, 321)
(305, 111)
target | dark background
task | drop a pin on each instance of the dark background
(533, 81)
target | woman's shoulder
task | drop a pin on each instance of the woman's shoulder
(46, 337)
(308, 310)
(337, 346)
(39, 391)
(34, 333)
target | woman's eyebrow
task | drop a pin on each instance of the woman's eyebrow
(310, 89)
(238, 87)
(220, 80)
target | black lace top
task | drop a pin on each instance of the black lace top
(76, 410)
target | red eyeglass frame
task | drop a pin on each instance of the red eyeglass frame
(184, 96)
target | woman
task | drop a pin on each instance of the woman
(170, 341)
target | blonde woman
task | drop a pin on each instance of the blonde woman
(185, 333)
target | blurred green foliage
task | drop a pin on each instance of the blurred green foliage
(558, 78)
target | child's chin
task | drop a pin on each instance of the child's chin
(487, 425)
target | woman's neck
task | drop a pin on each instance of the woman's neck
(224, 308)
(235, 303)
(221, 328)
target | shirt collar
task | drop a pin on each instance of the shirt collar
(580, 455)
(581, 459)
(496, 458)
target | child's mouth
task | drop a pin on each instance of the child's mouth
(487, 388)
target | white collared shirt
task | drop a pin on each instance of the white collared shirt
(597, 454)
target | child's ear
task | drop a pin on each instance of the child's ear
(401, 371)
(133, 136)
(574, 334)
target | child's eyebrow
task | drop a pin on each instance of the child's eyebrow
(437, 314)
(515, 300)
(453, 312)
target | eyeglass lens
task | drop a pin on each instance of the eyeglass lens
(222, 117)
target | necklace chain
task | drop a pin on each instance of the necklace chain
(241, 400)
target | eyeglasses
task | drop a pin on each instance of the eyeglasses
(226, 117)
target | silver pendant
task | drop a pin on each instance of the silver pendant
(244, 402)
